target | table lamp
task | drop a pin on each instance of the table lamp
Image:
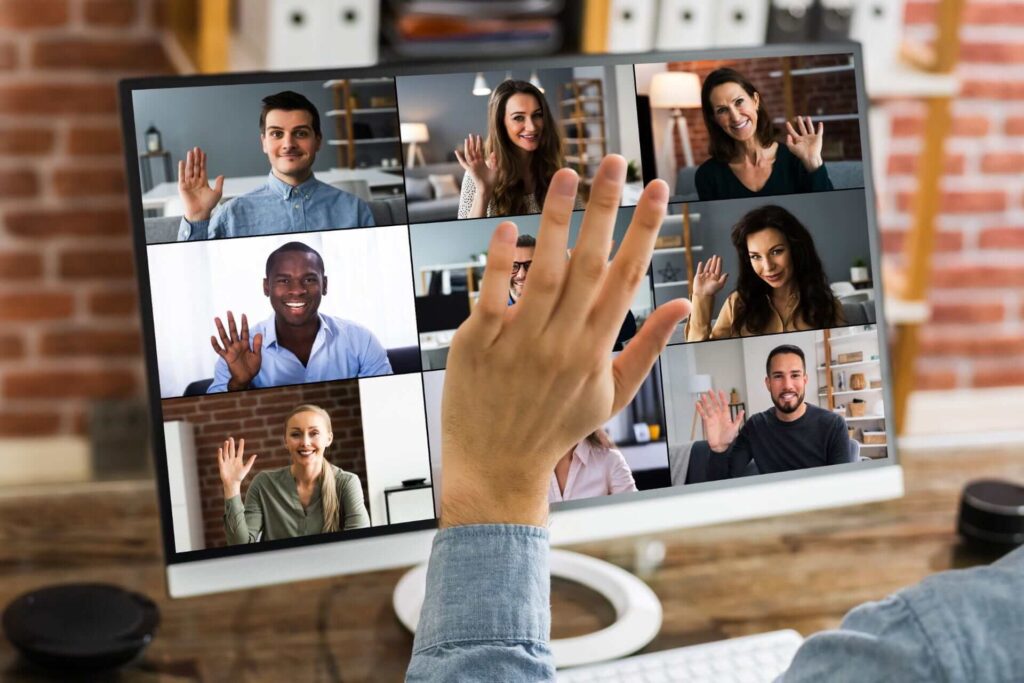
(414, 134)
(697, 385)
(676, 91)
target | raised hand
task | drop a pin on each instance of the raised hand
(519, 391)
(233, 466)
(805, 143)
(194, 188)
(720, 428)
(709, 278)
(243, 361)
(481, 167)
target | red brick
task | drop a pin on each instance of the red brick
(940, 379)
(19, 265)
(978, 201)
(8, 56)
(84, 264)
(94, 141)
(81, 222)
(38, 306)
(19, 14)
(1002, 238)
(113, 304)
(963, 126)
(18, 184)
(906, 164)
(993, 90)
(118, 55)
(945, 241)
(943, 344)
(1015, 125)
(992, 13)
(967, 313)
(29, 424)
(55, 384)
(1003, 162)
(994, 53)
(25, 141)
(85, 342)
(32, 98)
(110, 12)
(11, 346)
(88, 182)
(973, 275)
(1001, 377)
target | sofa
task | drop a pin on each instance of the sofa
(424, 207)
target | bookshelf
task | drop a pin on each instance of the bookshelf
(364, 105)
(858, 348)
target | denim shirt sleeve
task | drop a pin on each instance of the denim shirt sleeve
(964, 625)
(487, 614)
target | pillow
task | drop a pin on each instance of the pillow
(418, 189)
(444, 185)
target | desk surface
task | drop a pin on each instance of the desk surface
(800, 571)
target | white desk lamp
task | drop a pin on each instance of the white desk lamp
(414, 134)
(675, 90)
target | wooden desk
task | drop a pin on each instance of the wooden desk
(801, 571)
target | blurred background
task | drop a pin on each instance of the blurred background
(946, 84)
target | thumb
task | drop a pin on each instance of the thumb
(257, 345)
(492, 160)
(789, 141)
(218, 185)
(249, 462)
(634, 363)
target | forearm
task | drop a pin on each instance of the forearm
(698, 326)
(481, 198)
(236, 528)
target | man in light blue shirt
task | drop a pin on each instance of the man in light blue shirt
(486, 614)
(292, 200)
(297, 344)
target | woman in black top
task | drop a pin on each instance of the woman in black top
(746, 160)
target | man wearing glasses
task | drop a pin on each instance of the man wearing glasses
(525, 246)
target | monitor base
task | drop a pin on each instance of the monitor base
(637, 608)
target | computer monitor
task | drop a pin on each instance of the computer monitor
(315, 193)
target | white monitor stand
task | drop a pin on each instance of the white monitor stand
(637, 608)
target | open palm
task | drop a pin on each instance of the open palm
(481, 167)
(720, 428)
(197, 196)
(709, 278)
(805, 142)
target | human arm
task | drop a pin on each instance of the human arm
(242, 523)
(241, 359)
(708, 280)
(805, 142)
(198, 198)
(373, 357)
(365, 215)
(352, 505)
(620, 477)
(501, 437)
(481, 173)
(729, 451)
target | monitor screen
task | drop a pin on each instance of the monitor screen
(308, 243)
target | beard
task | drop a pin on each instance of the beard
(788, 408)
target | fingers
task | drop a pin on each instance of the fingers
(222, 333)
(629, 268)
(791, 132)
(739, 417)
(245, 328)
(461, 159)
(484, 323)
(634, 364)
(232, 329)
(248, 464)
(544, 283)
(218, 185)
(821, 128)
(257, 346)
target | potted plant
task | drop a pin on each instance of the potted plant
(859, 276)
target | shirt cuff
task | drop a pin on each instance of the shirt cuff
(487, 582)
(234, 506)
(197, 229)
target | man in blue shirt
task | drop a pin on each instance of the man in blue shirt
(292, 200)
(297, 344)
(486, 614)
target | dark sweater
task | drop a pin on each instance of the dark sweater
(715, 180)
(818, 438)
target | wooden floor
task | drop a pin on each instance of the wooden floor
(801, 571)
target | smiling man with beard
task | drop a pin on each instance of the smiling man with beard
(298, 344)
(793, 435)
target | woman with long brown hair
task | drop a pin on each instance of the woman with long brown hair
(508, 173)
(310, 496)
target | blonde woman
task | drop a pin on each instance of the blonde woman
(310, 496)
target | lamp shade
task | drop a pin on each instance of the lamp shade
(480, 87)
(415, 132)
(698, 384)
(675, 90)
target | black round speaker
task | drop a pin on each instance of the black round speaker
(81, 626)
(992, 513)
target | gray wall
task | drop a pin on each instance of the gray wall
(224, 121)
(836, 220)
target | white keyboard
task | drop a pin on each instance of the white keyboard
(749, 659)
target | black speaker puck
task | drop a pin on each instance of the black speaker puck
(81, 626)
(992, 513)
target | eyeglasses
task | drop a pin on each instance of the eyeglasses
(525, 265)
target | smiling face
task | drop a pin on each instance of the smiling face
(770, 257)
(520, 268)
(735, 110)
(524, 121)
(786, 382)
(290, 144)
(295, 285)
(307, 436)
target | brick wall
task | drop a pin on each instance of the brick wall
(830, 93)
(69, 331)
(259, 417)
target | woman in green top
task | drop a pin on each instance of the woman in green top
(310, 496)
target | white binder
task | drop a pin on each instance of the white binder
(740, 22)
(631, 25)
(351, 33)
(878, 26)
(685, 24)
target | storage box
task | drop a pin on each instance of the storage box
(852, 357)
(856, 409)
(874, 438)
(876, 384)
